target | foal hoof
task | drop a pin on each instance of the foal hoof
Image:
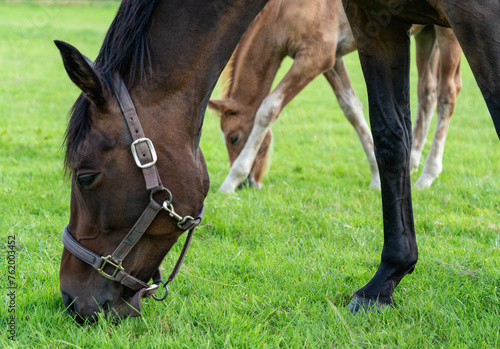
(425, 181)
(359, 303)
(226, 188)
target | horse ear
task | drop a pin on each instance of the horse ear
(218, 105)
(81, 72)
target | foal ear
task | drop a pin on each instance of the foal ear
(81, 72)
(218, 105)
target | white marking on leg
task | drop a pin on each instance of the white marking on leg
(426, 105)
(353, 111)
(266, 115)
(434, 163)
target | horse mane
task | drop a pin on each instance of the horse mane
(125, 50)
(228, 73)
(226, 77)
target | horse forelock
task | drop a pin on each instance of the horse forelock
(78, 127)
(125, 50)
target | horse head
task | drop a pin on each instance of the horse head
(109, 195)
(132, 146)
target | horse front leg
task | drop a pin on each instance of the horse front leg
(384, 50)
(477, 35)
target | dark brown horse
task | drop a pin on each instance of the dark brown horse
(170, 54)
(382, 32)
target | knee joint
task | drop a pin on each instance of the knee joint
(268, 111)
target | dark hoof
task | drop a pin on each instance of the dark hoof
(358, 303)
(249, 182)
(245, 184)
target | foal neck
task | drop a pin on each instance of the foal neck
(255, 62)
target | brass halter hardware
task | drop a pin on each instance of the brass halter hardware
(145, 158)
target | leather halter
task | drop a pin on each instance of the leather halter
(145, 158)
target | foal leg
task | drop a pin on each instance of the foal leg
(478, 38)
(304, 69)
(384, 51)
(450, 84)
(338, 77)
(427, 62)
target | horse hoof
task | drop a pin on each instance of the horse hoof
(414, 162)
(359, 303)
(425, 181)
(249, 182)
(227, 188)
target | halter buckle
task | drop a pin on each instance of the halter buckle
(105, 261)
(151, 150)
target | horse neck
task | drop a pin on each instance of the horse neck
(190, 43)
(255, 61)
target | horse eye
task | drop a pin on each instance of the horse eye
(85, 180)
(234, 139)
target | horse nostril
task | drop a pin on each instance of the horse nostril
(69, 303)
(106, 306)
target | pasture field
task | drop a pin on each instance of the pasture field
(269, 268)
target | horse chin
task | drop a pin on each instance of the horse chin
(125, 308)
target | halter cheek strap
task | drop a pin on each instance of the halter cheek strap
(145, 157)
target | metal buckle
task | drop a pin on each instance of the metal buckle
(153, 192)
(151, 150)
(181, 223)
(167, 206)
(150, 291)
(107, 260)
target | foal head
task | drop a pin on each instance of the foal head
(236, 120)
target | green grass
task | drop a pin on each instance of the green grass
(269, 268)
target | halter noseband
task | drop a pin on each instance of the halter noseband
(145, 158)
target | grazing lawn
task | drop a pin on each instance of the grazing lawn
(269, 268)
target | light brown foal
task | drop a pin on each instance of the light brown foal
(316, 36)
